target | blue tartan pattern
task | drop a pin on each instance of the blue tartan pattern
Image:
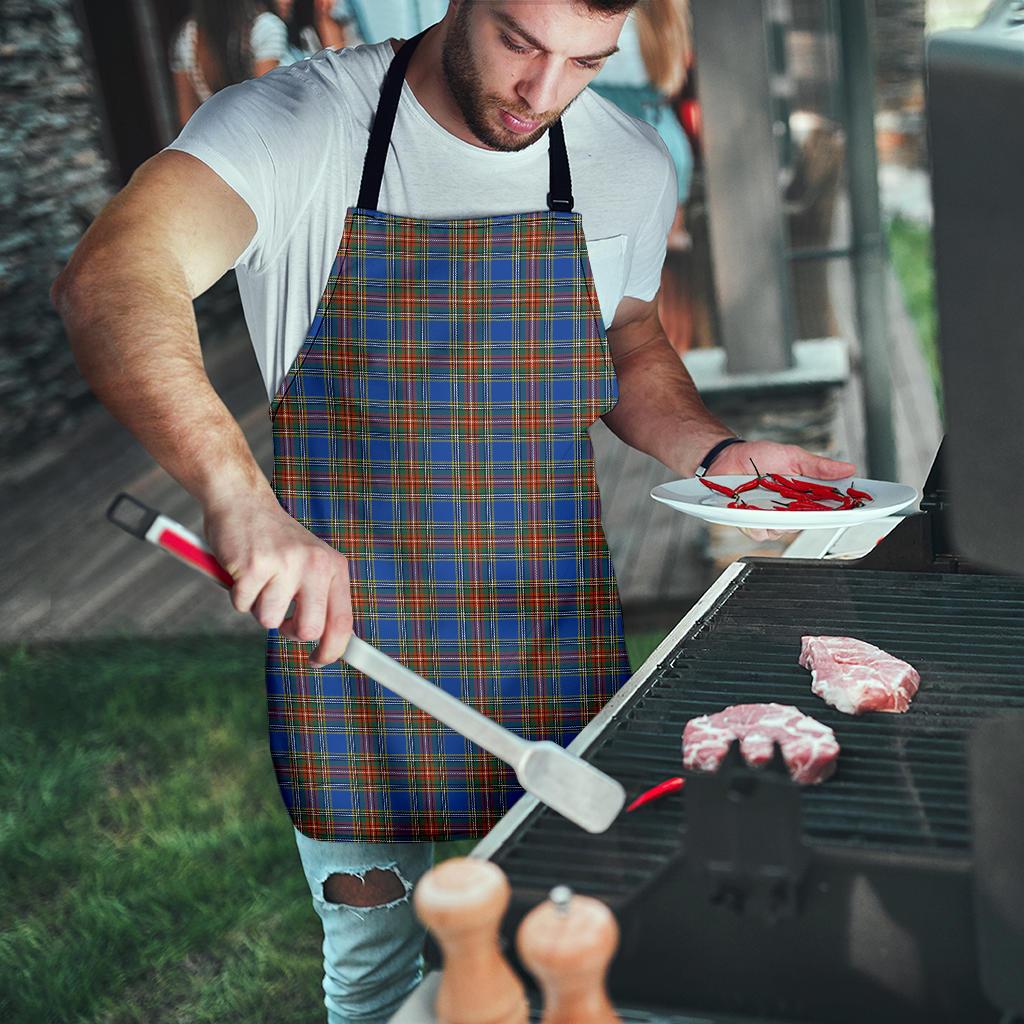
(434, 429)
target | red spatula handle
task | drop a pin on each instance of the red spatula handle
(147, 524)
(569, 785)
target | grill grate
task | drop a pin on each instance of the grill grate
(901, 785)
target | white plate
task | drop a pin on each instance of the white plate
(693, 498)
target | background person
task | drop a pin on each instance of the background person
(221, 43)
(645, 79)
(314, 25)
(647, 75)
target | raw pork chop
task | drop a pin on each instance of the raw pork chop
(855, 677)
(808, 747)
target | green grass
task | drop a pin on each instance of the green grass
(149, 872)
(910, 247)
(641, 646)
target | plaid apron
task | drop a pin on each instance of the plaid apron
(433, 428)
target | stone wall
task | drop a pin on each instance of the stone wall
(54, 178)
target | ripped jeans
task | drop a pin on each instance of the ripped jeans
(373, 955)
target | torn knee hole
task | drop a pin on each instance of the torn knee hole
(376, 888)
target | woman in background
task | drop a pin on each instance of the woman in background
(313, 25)
(644, 79)
(648, 73)
(221, 43)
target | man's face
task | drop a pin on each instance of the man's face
(513, 66)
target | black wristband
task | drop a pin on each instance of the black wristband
(705, 463)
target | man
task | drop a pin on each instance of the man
(432, 377)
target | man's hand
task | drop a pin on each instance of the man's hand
(771, 457)
(660, 412)
(274, 560)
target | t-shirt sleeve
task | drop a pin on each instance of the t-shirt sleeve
(268, 139)
(652, 238)
(269, 38)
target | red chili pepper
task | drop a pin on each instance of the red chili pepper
(809, 487)
(806, 505)
(760, 477)
(786, 492)
(862, 495)
(720, 488)
(660, 790)
(750, 485)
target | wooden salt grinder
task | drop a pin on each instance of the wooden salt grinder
(567, 943)
(462, 901)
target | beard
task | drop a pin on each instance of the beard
(478, 107)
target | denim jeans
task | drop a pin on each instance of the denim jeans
(373, 956)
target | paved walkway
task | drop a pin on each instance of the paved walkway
(70, 573)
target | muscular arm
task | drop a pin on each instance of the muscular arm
(659, 410)
(126, 301)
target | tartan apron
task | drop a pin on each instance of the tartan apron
(433, 428)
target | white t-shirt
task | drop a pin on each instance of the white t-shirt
(292, 144)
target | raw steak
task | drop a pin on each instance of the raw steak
(855, 677)
(808, 747)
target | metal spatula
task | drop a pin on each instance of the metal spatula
(574, 788)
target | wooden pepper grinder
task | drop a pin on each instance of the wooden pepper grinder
(567, 943)
(462, 902)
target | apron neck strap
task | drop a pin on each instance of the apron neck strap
(560, 187)
(383, 122)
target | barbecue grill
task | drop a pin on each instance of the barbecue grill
(748, 896)
(895, 890)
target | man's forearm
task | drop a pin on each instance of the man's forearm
(133, 333)
(660, 411)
